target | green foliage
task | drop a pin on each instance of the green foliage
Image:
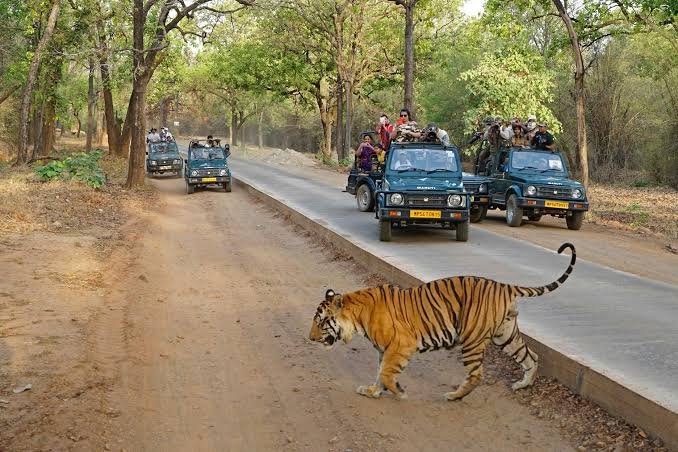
(82, 167)
(508, 85)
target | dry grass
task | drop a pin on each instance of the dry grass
(62, 206)
(650, 210)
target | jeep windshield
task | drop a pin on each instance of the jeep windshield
(164, 148)
(425, 160)
(536, 161)
(207, 154)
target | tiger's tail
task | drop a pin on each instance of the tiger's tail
(537, 291)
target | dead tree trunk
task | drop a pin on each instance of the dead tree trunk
(580, 101)
(30, 82)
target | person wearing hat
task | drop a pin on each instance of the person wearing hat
(531, 127)
(543, 139)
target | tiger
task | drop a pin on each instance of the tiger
(469, 311)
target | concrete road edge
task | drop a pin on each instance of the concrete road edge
(581, 379)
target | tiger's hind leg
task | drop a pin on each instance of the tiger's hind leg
(509, 339)
(376, 389)
(472, 358)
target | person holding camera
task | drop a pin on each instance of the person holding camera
(385, 131)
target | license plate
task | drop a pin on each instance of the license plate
(425, 214)
(166, 167)
(209, 179)
(479, 199)
(557, 204)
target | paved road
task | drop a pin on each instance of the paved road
(619, 324)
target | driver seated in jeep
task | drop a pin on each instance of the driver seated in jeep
(402, 162)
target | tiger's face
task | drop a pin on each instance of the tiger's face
(326, 327)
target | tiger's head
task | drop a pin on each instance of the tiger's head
(326, 327)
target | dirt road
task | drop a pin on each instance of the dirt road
(215, 355)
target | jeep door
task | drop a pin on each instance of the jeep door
(500, 181)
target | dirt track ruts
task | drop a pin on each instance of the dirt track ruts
(217, 309)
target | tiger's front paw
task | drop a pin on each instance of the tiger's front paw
(454, 395)
(373, 391)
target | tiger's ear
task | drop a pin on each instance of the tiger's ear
(335, 298)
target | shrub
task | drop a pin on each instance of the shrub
(82, 167)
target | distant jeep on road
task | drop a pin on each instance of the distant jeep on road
(532, 183)
(422, 185)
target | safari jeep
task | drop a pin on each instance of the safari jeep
(206, 165)
(422, 185)
(477, 187)
(532, 183)
(163, 157)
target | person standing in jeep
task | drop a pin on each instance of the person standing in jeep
(385, 132)
(543, 139)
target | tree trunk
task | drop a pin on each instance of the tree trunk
(30, 82)
(349, 115)
(339, 126)
(91, 107)
(137, 128)
(130, 118)
(77, 118)
(327, 135)
(234, 126)
(409, 55)
(260, 130)
(164, 111)
(579, 73)
(137, 154)
(113, 131)
(48, 130)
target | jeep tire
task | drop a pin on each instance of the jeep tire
(190, 188)
(462, 232)
(575, 220)
(227, 187)
(364, 198)
(514, 214)
(385, 228)
(534, 216)
(478, 214)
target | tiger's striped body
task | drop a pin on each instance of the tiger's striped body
(462, 310)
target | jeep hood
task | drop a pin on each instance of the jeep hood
(541, 179)
(399, 182)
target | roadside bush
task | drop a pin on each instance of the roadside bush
(82, 167)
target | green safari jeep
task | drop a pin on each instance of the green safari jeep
(532, 183)
(422, 185)
(207, 165)
(163, 157)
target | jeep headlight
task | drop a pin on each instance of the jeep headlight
(577, 193)
(223, 172)
(153, 162)
(194, 173)
(396, 199)
(531, 190)
(482, 188)
(455, 200)
(177, 162)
